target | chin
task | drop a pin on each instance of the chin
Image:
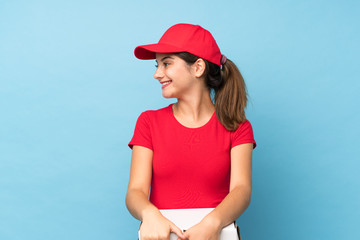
(168, 95)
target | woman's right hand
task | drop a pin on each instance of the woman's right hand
(156, 227)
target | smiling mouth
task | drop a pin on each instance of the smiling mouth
(165, 83)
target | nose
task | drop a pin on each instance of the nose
(159, 74)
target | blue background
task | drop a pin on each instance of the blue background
(71, 91)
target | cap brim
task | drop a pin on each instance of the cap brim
(149, 51)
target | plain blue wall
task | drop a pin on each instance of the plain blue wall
(71, 90)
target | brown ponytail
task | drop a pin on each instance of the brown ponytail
(231, 98)
(229, 88)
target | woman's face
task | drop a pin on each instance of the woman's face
(176, 77)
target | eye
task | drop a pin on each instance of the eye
(165, 64)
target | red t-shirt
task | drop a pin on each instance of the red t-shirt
(191, 166)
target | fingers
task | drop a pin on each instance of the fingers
(186, 235)
(177, 231)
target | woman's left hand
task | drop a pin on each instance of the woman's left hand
(205, 230)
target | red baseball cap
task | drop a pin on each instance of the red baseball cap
(183, 37)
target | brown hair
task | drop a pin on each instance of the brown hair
(228, 85)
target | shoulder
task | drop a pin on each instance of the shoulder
(157, 114)
(146, 125)
(244, 127)
(160, 111)
(243, 134)
(245, 124)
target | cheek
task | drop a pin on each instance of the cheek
(173, 73)
(180, 75)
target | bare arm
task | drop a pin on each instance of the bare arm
(139, 183)
(154, 225)
(235, 203)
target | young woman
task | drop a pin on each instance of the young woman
(195, 153)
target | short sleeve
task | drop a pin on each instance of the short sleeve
(142, 132)
(244, 134)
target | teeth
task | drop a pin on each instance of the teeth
(165, 83)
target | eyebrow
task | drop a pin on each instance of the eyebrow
(164, 58)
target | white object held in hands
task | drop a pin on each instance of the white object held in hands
(186, 218)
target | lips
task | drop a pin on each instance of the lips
(165, 83)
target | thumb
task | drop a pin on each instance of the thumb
(177, 231)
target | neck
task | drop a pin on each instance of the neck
(196, 108)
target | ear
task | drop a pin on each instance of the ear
(199, 67)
